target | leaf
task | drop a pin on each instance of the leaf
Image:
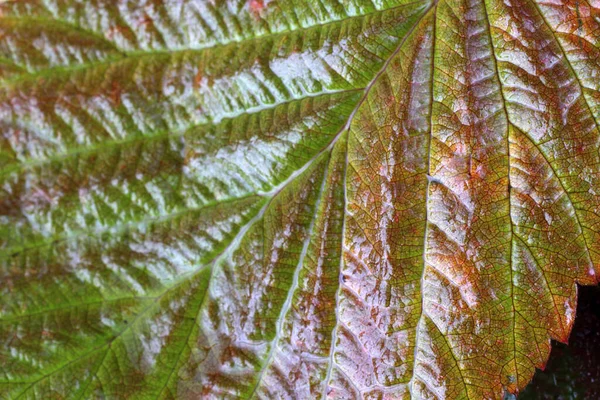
(293, 199)
(573, 370)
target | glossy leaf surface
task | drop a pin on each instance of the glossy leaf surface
(293, 199)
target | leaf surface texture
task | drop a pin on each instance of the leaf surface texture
(293, 199)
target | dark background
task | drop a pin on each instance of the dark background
(573, 370)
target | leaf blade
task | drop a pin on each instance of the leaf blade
(323, 201)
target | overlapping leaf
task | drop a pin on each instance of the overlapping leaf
(293, 199)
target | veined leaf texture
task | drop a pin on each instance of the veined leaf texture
(293, 199)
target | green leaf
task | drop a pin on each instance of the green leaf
(293, 199)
